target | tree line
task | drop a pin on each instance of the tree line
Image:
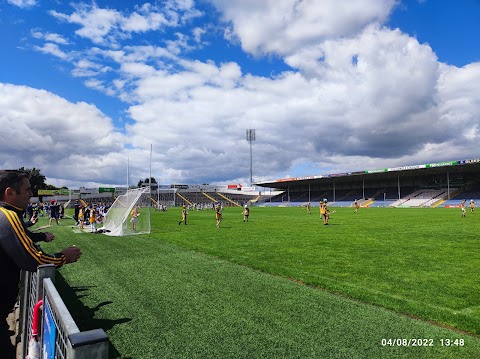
(37, 179)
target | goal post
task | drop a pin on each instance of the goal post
(119, 221)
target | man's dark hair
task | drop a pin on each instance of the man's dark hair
(11, 178)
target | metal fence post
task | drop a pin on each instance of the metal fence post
(31, 292)
(91, 344)
(25, 280)
(44, 271)
(70, 343)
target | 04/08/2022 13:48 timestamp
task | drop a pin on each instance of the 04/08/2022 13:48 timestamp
(422, 342)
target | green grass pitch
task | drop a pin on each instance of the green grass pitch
(383, 283)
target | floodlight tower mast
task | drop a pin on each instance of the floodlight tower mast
(150, 179)
(250, 139)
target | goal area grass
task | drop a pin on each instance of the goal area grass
(382, 283)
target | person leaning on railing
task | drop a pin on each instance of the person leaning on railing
(18, 248)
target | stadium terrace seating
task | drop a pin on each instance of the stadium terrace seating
(341, 204)
(348, 196)
(458, 197)
(283, 197)
(468, 195)
(198, 197)
(315, 197)
(414, 198)
(195, 197)
(422, 198)
(299, 197)
(380, 204)
(383, 197)
(456, 202)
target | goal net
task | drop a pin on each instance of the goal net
(120, 221)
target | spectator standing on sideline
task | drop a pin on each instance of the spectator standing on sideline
(29, 211)
(76, 210)
(18, 248)
(53, 212)
(61, 210)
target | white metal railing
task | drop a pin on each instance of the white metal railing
(59, 336)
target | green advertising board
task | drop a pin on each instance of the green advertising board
(106, 189)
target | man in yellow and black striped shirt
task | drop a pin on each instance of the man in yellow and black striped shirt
(18, 247)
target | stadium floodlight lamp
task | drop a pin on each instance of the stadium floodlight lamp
(250, 139)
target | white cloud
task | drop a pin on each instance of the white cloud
(197, 34)
(287, 26)
(23, 3)
(358, 95)
(387, 90)
(459, 105)
(50, 37)
(52, 49)
(178, 45)
(371, 96)
(108, 26)
(56, 38)
(96, 23)
(139, 23)
(136, 69)
(67, 141)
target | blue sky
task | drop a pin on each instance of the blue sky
(87, 86)
(450, 27)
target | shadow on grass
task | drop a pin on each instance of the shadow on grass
(85, 316)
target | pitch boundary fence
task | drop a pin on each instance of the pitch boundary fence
(59, 336)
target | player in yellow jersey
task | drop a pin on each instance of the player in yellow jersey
(246, 213)
(324, 211)
(308, 208)
(93, 219)
(218, 214)
(184, 215)
(81, 216)
(134, 217)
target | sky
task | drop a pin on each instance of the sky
(100, 93)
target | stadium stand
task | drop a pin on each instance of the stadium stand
(229, 200)
(422, 198)
(185, 200)
(427, 185)
(431, 185)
